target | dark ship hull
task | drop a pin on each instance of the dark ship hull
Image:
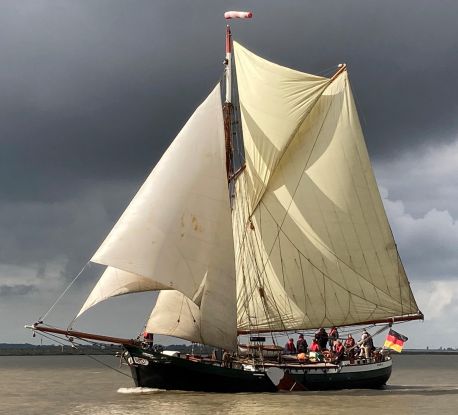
(156, 370)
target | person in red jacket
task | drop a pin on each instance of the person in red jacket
(338, 351)
(290, 348)
(315, 347)
(350, 346)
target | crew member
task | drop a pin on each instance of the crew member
(315, 346)
(350, 346)
(333, 335)
(338, 351)
(148, 340)
(366, 345)
(290, 348)
(301, 344)
(322, 337)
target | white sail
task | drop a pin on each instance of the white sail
(177, 228)
(274, 100)
(213, 323)
(314, 247)
(114, 282)
(175, 315)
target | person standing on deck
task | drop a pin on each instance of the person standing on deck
(333, 335)
(350, 347)
(148, 340)
(315, 347)
(338, 351)
(301, 344)
(366, 345)
(322, 338)
(290, 348)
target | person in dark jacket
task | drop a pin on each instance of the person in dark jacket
(322, 338)
(301, 344)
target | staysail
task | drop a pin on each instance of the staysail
(115, 282)
(176, 233)
(313, 244)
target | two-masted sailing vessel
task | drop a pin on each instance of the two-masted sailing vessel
(262, 217)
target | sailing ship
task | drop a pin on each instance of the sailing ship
(262, 217)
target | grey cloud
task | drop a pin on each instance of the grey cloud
(428, 245)
(16, 290)
(423, 178)
(93, 93)
(420, 195)
(36, 233)
(98, 90)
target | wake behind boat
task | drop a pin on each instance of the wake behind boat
(263, 216)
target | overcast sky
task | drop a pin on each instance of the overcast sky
(92, 93)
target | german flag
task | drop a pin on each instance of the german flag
(395, 341)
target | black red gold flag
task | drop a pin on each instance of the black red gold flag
(395, 341)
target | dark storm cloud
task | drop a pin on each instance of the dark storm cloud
(96, 90)
(93, 92)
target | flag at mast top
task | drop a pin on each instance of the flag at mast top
(238, 15)
(231, 15)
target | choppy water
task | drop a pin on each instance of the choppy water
(64, 385)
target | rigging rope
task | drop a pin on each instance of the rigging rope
(64, 292)
(327, 71)
(53, 337)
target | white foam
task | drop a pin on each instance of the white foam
(139, 391)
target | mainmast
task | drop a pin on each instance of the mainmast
(227, 107)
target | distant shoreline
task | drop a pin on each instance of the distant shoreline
(430, 352)
(51, 350)
(27, 349)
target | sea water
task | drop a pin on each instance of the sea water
(49, 385)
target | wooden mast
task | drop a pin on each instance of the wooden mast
(227, 107)
(341, 68)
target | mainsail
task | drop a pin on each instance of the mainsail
(312, 241)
